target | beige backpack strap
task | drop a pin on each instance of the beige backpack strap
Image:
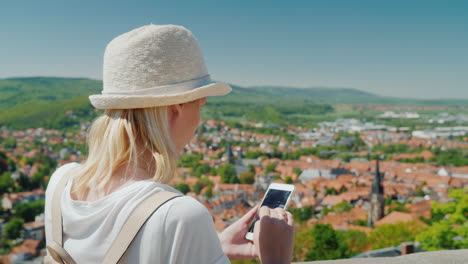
(55, 247)
(133, 225)
(58, 254)
(56, 211)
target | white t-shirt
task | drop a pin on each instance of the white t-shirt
(180, 231)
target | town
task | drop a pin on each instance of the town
(354, 177)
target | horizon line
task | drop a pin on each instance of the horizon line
(254, 86)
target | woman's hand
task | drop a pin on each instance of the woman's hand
(274, 235)
(234, 244)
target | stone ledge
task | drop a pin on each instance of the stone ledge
(444, 257)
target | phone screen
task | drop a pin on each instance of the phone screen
(273, 199)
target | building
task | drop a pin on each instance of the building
(377, 202)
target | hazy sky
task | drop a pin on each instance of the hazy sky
(399, 48)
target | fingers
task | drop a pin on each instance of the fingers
(264, 211)
(290, 219)
(279, 213)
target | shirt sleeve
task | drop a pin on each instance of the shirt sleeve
(190, 234)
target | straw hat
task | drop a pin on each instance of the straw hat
(154, 65)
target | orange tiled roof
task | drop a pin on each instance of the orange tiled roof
(395, 217)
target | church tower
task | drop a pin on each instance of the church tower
(229, 154)
(377, 202)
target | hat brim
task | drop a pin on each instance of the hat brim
(107, 101)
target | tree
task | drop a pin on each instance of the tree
(449, 220)
(270, 167)
(297, 171)
(6, 183)
(288, 180)
(438, 237)
(326, 244)
(13, 228)
(342, 207)
(190, 160)
(228, 173)
(252, 169)
(182, 187)
(197, 187)
(28, 211)
(201, 168)
(247, 177)
(331, 191)
(209, 192)
(390, 235)
(302, 214)
(356, 241)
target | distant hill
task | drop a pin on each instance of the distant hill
(43, 101)
(332, 96)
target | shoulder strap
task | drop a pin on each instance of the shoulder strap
(133, 225)
(57, 210)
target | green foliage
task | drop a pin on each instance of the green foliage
(252, 169)
(395, 148)
(43, 102)
(247, 177)
(254, 154)
(202, 183)
(297, 171)
(209, 192)
(13, 228)
(397, 206)
(302, 214)
(201, 168)
(288, 180)
(390, 235)
(449, 220)
(28, 211)
(455, 157)
(265, 131)
(331, 191)
(356, 241)
(326, 244)
(438, 237)
(419, 193)
(337, 208)
(342, 207)
(189, 160)
(361, 222)
(6, 183)
(270, 168)
(228, 173)
(353, 141)
(182, 187)
(197, 187)
(10, 143)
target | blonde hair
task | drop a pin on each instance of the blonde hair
(119, 137)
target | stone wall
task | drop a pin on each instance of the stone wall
(436, 257)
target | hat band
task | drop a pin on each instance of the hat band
(168, 89)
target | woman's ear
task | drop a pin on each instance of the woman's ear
(174, 111)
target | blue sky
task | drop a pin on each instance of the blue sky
(398, 48)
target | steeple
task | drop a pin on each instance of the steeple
(377, 185)
(229, 154)
(377, 201)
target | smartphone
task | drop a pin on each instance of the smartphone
(277, 195)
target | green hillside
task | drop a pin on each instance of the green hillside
(44, 101)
